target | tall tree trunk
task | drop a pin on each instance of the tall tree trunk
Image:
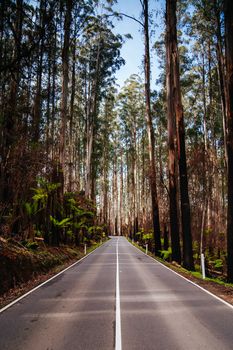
(38, 97)
(171, 117)
(150, 131)
(228, 9)
(10, 117)
(71, 141)
(184, 196)
(65, 80)
(48, 111)
(121, 191)
(221, 73)
(205, 212)
(91, 120)
(53, 97)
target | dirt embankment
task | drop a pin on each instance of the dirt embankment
(22, 268)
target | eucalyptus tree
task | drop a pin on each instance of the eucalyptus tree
(101, 58)
(43, 101)
(106, 152)
(131, 110)
(203, 94)
(150, 130)
(171, 117)
(65, 79)
(175, 107)
(228, 11)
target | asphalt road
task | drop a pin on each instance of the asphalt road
(117, 298)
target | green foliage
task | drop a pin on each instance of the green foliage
(147, 236)
(62, 224)
(218, 263)
(32, 245)
(38, 233)
(70, 234)
(31, 208)
(166, 254)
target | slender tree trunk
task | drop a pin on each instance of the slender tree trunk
(171, 117)
(65, 80)
(10, 117)
(38, 97)
(121, 192)
(53, 97)
(48, 111)
(91, 120)
(228, 9)
(221, 73)
(143, 191)
(205, 167)
(150, 131)
(184, 196)
(71, 141)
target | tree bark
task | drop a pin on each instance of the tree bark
(65, 80)
(171, 121)
(10, 117)
(150, 132)
(221, 73)
(91, 120)
(228, 9)
(181, 152)
(38, 97)
(71, 140)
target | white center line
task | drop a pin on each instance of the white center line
(118, 304)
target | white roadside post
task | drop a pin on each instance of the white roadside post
(146, 249)
(203, 265)
(85, 249)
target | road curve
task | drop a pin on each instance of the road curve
(117, 292)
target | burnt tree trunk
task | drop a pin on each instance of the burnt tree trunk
(178, 108)
(171, 122)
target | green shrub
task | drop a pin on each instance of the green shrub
(166, 254)
(218, 263)
(32, 245)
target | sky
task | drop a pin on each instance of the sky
(133, 49)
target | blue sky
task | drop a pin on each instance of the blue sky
(133, 50)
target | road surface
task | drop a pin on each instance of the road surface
(117, 298)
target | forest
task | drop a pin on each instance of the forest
(81, 159)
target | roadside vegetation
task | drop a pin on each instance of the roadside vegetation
(217, 285)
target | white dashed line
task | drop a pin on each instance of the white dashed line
(118, 305)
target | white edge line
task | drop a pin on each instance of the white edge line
(118, 304)
(50, 279)
(186, 279)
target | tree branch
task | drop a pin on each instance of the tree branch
(131, 17)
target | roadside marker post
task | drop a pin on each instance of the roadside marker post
(203, 265)
(85, 249)
(146, 249)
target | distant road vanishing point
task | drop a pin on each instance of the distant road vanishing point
(117, 298)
